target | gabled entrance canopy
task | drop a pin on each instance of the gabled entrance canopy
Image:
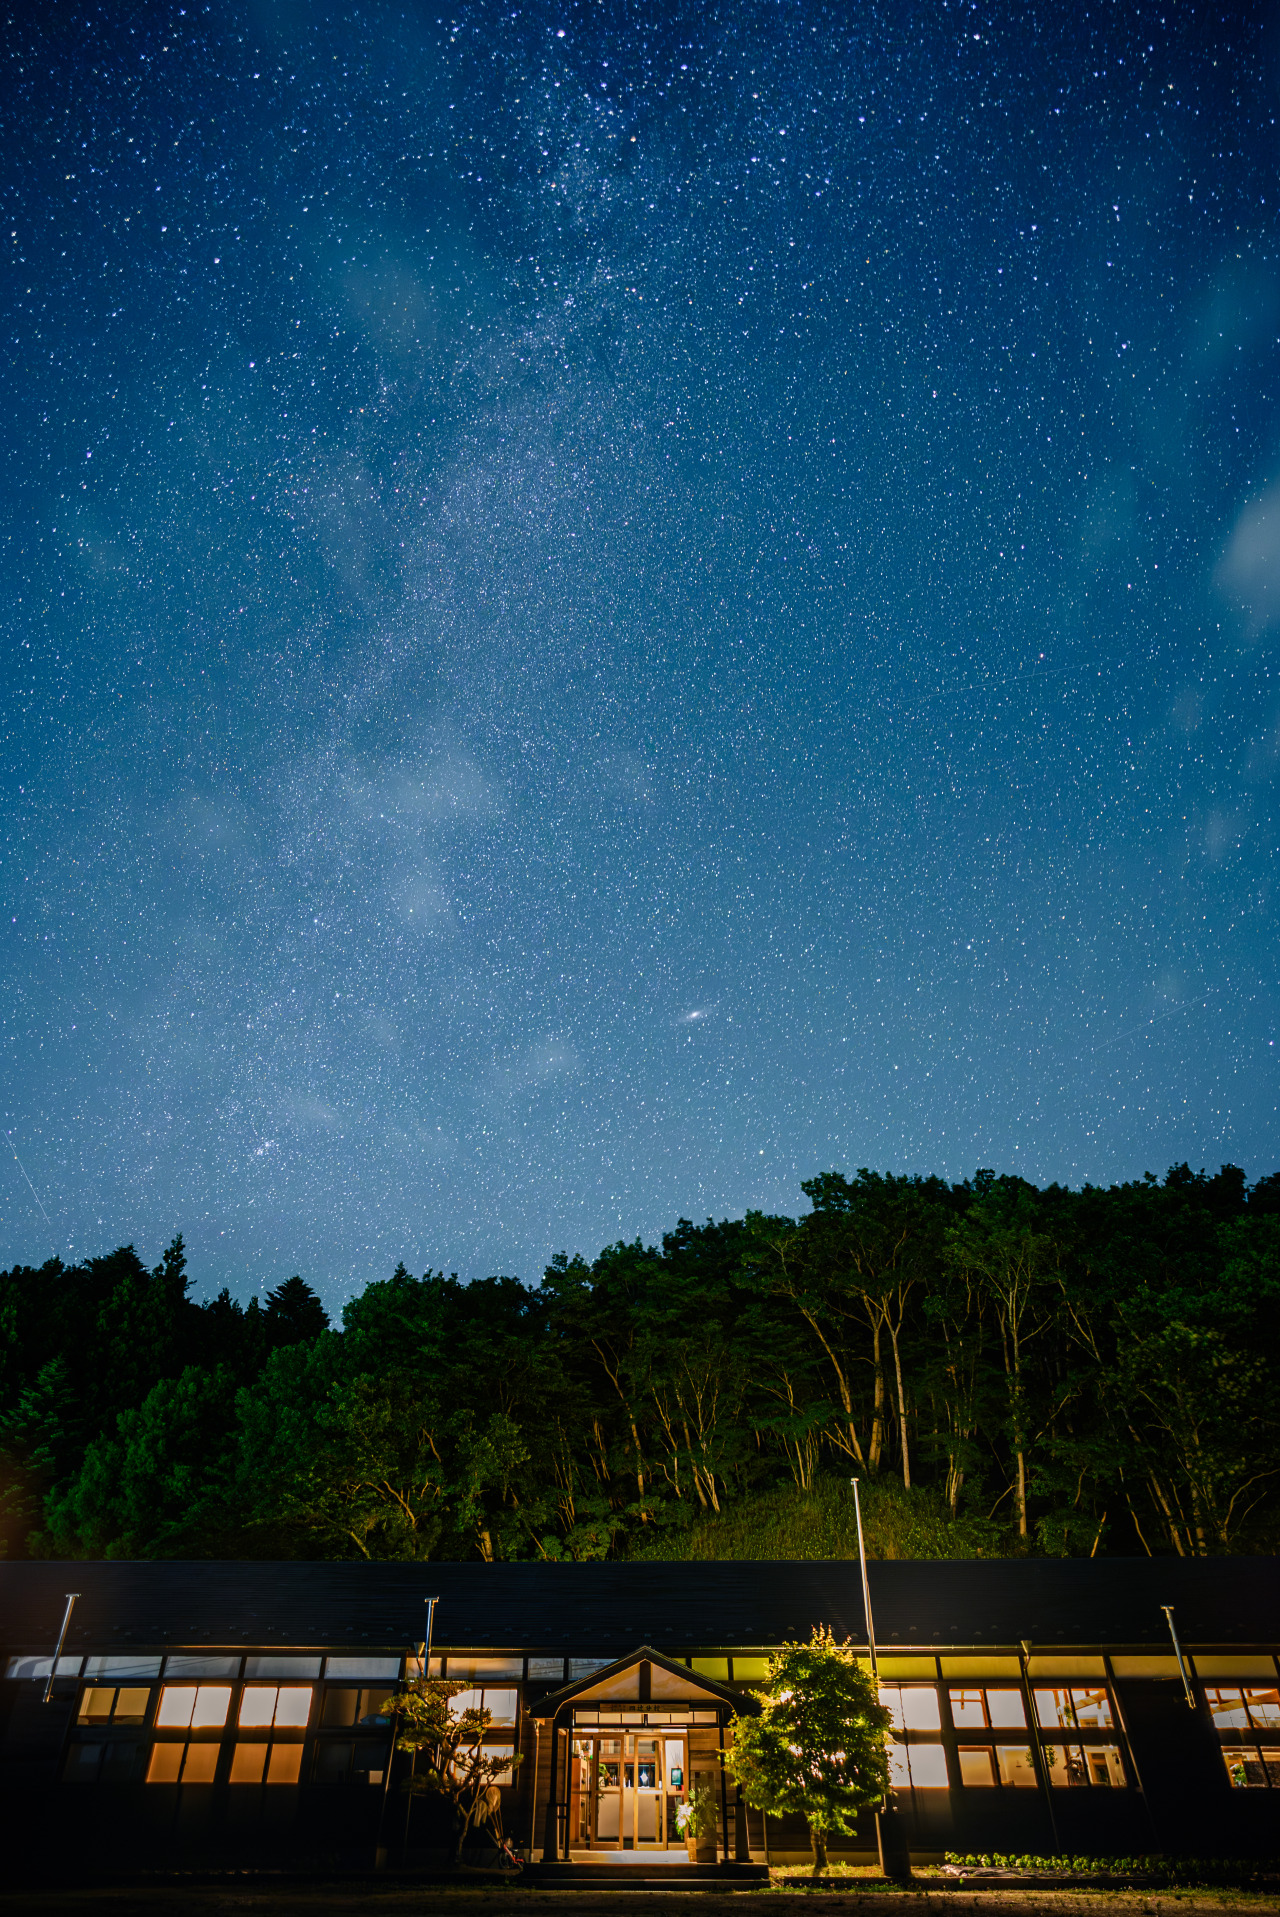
(645, 1676)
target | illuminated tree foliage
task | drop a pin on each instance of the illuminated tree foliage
(817, 1748)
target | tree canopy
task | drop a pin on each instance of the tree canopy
(1034, 1370)
(817, 1749)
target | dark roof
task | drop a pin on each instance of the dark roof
(744, 1704)
(605, 1610)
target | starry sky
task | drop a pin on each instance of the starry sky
(607, 607)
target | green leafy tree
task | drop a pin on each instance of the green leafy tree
(818, 1746)
(160, 1485)
(448, 1752)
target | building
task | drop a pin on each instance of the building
(235, 1712)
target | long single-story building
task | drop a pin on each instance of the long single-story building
(233, 1712)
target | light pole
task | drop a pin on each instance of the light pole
(422, 1653)
(895, 1858)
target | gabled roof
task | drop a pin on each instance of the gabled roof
(666, 1682)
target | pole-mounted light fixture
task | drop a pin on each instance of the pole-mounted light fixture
(1177, 1652)
(62, 1638)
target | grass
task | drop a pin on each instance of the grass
(787, 1522)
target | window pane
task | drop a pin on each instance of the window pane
(82, 1763)
(464, 1664)
(509, 1750)
(1092, 1708)
(340, 1707)
(96, 1705)
(919, 1708)
(1104, 1765)
(1066, 1765)
(131, 1704)
(928, 1766)
(273, 1665)
(178, 1667)
(41, 1666)
(1226, 1707)
(968, 1710)
(547, 1667)
(891, 1698)
(501, 1705)
(213, 1701)
(1053, 1708)
(1005, 1710)
(977, 1766)
(294, 1707)
(286, 1764)
(1264, 1709)
(333, 1761)
(247, 1761)
(166, 1762)
(465, 1701)
(899, 1771)
(177, 1701)
(1015, 1766)
(202, 1762)
(119, 1763)
(122, 1670)
(1271, 1764)
(258, 1705)
(373, 1706)
(368, 1668)
(1245, 1769)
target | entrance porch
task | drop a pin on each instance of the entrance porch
(620, 1752)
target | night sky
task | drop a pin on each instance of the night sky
(609, 607)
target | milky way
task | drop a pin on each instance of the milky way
(609, 608)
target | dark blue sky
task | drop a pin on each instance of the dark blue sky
(606, 608)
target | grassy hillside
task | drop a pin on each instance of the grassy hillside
(820, 1523)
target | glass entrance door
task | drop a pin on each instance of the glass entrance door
(637, 1780)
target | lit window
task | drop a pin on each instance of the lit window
(1264, 1709)
(1015, 1766)
(994, 1707)
(124, 1704)
(466, 1664)
(201, 1763)
(977, 1766)
(1104, 1765)
(500, 1704)
(1227, 1708)
(248, 1761)
(1248, 1772)
(202, 1706)
(285, 1764)
(508, 1751)
(270, 1763)
(917, 1766)
(1082, 1707)
(911, 1707)
(182, 1763)
(284, 1705)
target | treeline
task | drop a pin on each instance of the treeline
(1036, 1370)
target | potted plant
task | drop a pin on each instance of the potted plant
(696, 1823)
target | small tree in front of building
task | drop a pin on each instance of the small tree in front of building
(454, 1762)
(817, 1748)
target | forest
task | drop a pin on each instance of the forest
(1008, 1369)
